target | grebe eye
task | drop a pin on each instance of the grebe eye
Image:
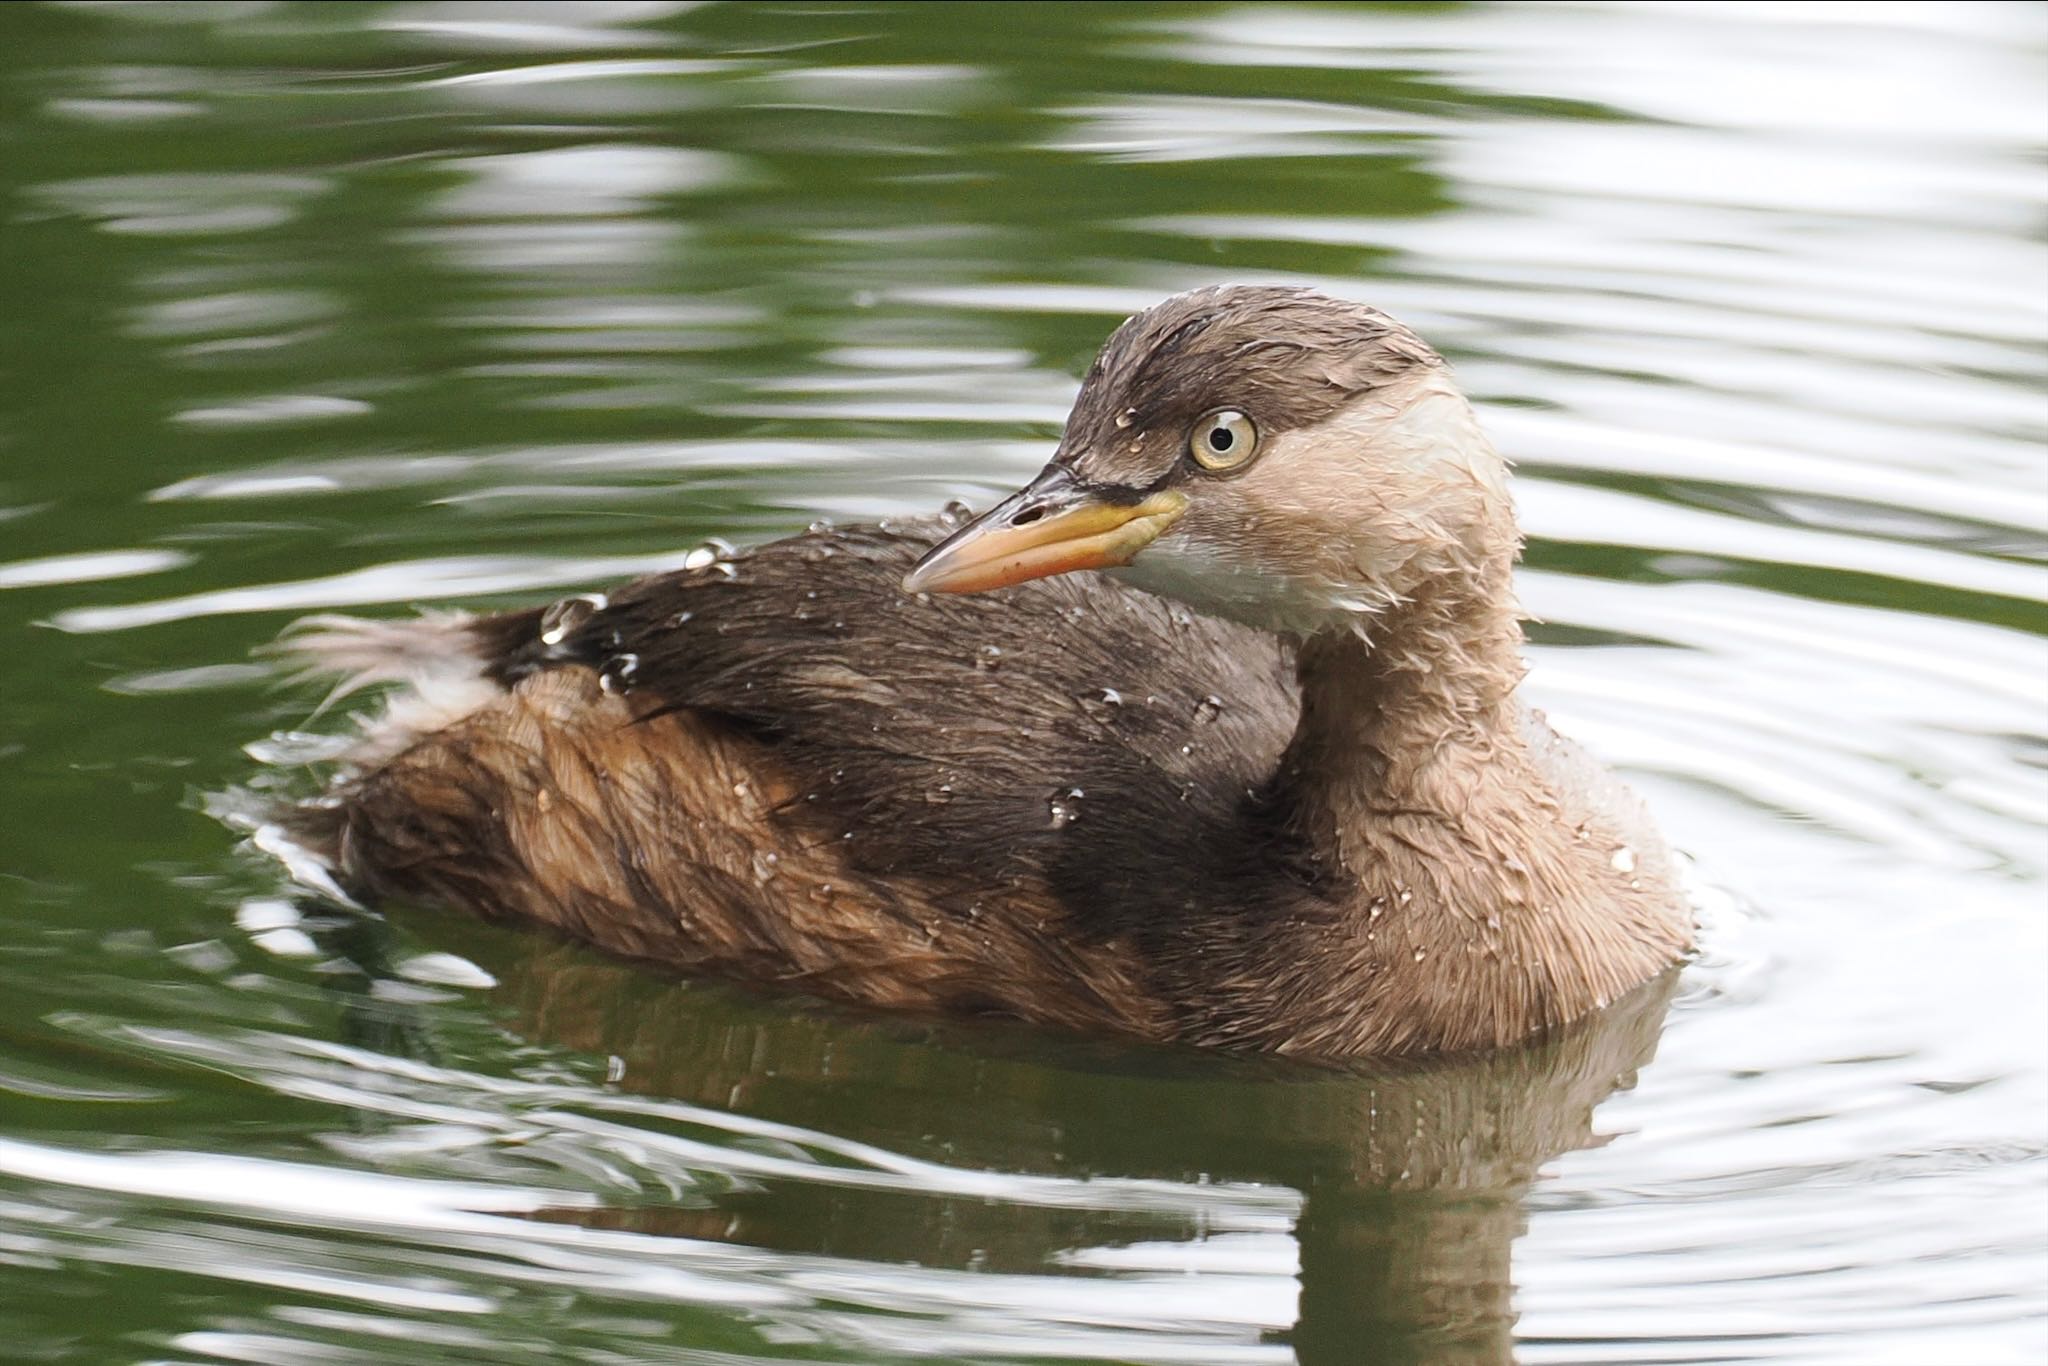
(1223, 440)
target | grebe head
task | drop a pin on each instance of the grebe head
(1273, 455)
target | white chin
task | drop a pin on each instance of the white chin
(1188, 573)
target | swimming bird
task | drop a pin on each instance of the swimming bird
(1210, 734)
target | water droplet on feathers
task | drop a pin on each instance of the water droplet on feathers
(713, 551)
(558, 619)
(619, 673)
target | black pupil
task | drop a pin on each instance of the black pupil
(1220, 439)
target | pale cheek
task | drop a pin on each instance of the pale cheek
(1342, 540)
(1192, 573)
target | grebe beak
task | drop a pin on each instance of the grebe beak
(1053, 525)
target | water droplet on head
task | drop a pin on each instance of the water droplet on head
(989, 657)
(1406, 896)
(1421, 954)
(558, 619)
(1065, 807)
(1125, 418)
(819, 527)
(955, 512)
(1111, 697)
(1208, 709)
(1624, 860)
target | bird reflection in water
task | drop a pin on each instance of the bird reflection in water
(1411, 1177)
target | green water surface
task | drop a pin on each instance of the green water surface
(311, 306)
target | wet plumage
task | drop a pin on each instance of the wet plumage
(1330, 830)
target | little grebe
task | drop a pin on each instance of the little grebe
(1314, 819)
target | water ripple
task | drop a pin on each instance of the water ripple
(355, 306)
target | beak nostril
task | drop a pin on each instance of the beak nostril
(1028, 515)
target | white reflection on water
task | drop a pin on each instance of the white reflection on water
(639, 1134)
(1189, 128)
(199, 205)
(1589, 516)
(273, 410)
(444, 1246)
(90, 566)
(543, 27)
(579, 181)
(413, 581)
